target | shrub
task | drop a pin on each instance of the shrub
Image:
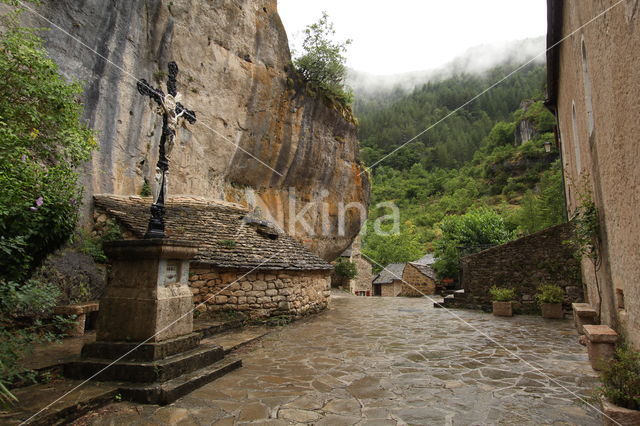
(621, 378)
(323, 62)
(501, 294)
(550, 293)
(43, 141)
(346, 269)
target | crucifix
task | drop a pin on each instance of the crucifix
(172, 111)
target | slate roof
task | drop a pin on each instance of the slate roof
(425, 269)
(427, 259)
(228, 236)
(390, 273)
(347, 253)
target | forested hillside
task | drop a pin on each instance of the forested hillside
(475, 159)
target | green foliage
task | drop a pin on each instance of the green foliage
(146, 189)
(621, 378)
(501, 294)
(93, 245)
(23, 308)
(550, 293)
(228, 243)
(322, 63)
(467, 234)
(586, 229)
(346, 269)
(43, 141)
(544, 208)
(404, 246)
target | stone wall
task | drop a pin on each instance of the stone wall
(365, 276)
(420, 284)
(598, 103)
(523, 264)
(392, 289)
(261, 294)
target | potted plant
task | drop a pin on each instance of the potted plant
(502, 301)
(620, 391)
(550, 297)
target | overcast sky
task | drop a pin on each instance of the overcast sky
(391, 37)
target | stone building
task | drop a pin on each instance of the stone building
(594, 90)
(362, 284)
(405, 280)
(243, 263)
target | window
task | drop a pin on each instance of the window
(576, 140)
(586, 81)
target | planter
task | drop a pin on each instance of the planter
(614, 415)
(552, 310)
(503, 309)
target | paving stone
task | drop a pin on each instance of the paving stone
(417, 366)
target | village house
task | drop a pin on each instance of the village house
(412, 279)
(361, 285)
(594, 91)
(243, 263)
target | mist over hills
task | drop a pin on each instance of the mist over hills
(476, 60)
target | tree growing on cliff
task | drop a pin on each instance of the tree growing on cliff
(322, 62)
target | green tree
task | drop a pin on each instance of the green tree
(43, 142)
(322, 62)
(467, 234)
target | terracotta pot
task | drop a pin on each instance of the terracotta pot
(503, 309)
(614, 415)
(552, 310)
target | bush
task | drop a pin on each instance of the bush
(500, 294)
(550, 293)
(346, 269)
(43, 141)
(621, 378)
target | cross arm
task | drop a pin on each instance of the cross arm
(187, 113)
(144, 88)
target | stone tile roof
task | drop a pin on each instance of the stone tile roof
(390, 273)
(424, 269)
(227, 234)
(427, 259)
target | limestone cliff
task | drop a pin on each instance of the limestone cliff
(235, 72)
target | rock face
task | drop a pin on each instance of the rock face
(262, 138)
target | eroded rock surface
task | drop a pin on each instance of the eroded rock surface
(235, 72)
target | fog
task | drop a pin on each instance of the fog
(475, 60)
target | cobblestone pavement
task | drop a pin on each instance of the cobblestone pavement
(387, 361)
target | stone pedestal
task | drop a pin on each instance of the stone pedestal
(145, 326)
(148, 296)
(601, 344)
(583, 314)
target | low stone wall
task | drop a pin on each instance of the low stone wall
(261, 294)
(524, 265)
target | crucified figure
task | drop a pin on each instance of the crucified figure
(172, 111)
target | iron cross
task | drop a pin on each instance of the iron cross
(172, 110)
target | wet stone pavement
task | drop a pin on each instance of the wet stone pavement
(393, 361)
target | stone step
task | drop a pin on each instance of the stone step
(167, 392)
(208, 328)
(145, 372)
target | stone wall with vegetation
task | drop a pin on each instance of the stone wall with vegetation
(260, 294)
(524, 265)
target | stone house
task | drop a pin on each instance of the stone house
(243, 263)
(405, 280)
(593, 89)
(362, 284)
